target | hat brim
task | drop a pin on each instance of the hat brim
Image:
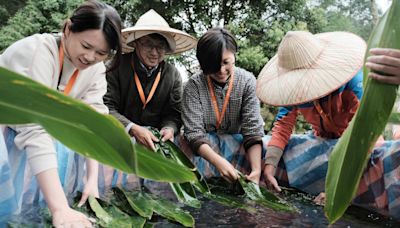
(183, 41)
(342, 57)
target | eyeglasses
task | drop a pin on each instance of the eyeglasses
(148, 46)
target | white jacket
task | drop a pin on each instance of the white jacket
(36, 57)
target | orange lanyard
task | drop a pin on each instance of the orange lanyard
(327, 118)
(140, 88)
(220, 115)
(72, 80)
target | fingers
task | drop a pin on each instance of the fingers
(230, 175)
(383, 67)
(320, 199)
(71, 218)
(385, 51)
(167, 134)
(254, 176)
(84, 197)
(274, 184)
(150, 144)
(384, 79)
(270, 181)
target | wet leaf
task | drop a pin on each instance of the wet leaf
(135, 200)
(111, 216)
(172, 211)
(262, 196)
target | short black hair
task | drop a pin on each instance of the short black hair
(97, 15)
(211, 46)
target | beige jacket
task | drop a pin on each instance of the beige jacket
(36, 57)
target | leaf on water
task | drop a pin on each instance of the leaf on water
(262, 196)
(136, 200)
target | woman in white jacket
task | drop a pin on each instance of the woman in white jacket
(72, 64)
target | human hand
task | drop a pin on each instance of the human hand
(226, 169)
(254, 176)
(144, 136)
(269, 177)
(91, 189)
(167, 133)
(320, 199)
(67, 217)
(384, 64)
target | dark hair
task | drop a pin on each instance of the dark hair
(210, 47)
(97, 15)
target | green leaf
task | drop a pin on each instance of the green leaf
(171, 211)
(81, 128)
(350, 155)
(154, 166)
(185, 194)
(99, 211)
(137, 201)
(111, 216)
(75, 124)
(262, 196)
(200, 183)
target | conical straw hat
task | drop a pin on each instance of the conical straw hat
(308, 67)
(152, 22)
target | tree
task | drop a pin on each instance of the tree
(8, 9)
(43, 16)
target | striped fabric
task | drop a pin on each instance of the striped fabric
(305, 163)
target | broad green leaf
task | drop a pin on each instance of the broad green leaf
(172, 211)
(75, 124)
(154, 166)
(185, 194)
(111, 216)
(137, 201)
(263, 197)
(82, 129)
(176, 154)
(348, 158)
(200, 184)
(99, 211)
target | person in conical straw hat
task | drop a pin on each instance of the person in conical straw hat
(146, 90)
(318, 76)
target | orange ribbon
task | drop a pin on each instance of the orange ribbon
(220, 115)
(72, 80)
(140, 88)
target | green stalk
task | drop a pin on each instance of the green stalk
(349, 157)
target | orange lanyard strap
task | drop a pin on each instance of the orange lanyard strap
(72, 80)
(220, 115)
(140, 88)
(327, 118)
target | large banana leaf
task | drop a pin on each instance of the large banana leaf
(349, 157)
(82, 129)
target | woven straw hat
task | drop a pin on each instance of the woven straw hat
(308, 67)
(152, 22)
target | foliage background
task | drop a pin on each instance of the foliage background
(258, 25)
